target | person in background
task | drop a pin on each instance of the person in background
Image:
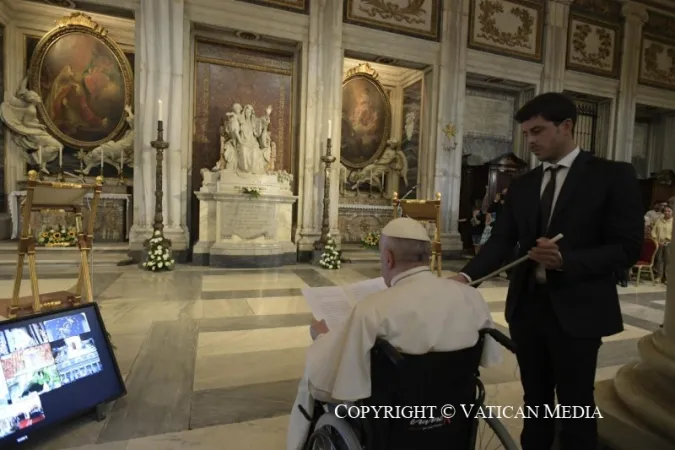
(497, 204)
(653, 214)
(662, 232)
(489, 221)
(477, 226)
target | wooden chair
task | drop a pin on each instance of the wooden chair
(425, 211)
(61, 197)
(646, 261)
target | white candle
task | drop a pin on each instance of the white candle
(101, 162)
(40, 155)
(60, 158)
(159, 110)
(121, 159)
(330, 128)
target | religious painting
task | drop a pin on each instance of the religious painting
(366, 118)
(229, 77)
(420, 19)
(84, 80)
(410, 135)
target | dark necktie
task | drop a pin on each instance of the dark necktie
(546, 202)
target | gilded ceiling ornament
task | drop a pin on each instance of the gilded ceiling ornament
(489, 30)
(388, 10)
(583, 56)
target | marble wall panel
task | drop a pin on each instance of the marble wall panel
(71, 162)
(420, 19)
(508, 27)
(410, 133)
(301, 6)
(640, 154)
(227, 74)
(488, 124)
(657, 63)
(593, 46)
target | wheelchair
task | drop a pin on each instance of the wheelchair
(400, 380)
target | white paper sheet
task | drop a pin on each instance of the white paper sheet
(334, 303)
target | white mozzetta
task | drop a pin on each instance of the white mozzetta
(389, 45)
(636, 16)
(251, 18)
(555, 45)
(451, 99)
(159, 76)
(503, 67)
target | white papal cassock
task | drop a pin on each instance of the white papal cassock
(419, 313)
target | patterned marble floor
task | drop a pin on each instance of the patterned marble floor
(212, 357)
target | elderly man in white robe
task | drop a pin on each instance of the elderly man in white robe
(418, 313)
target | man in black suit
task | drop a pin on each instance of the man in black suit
(563, 300)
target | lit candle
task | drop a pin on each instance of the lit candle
(60, 158)
(40, 155)
(330, 128)
(159, 110)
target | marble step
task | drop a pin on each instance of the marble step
(104, 254)
(356, 253)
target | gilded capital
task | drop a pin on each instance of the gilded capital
(634, 12)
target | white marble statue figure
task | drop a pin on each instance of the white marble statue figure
(19, 113)
(112, 150)
(245, 143)
(410, 124)
(393, 160)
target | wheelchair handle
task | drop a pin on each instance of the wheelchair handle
(500, 337)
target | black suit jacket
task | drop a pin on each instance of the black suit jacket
(599, 212)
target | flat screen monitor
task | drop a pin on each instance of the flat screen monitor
(54, 366)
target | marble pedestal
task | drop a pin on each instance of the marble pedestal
(240, 230)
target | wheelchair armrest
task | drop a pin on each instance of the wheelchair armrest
(389, 351)
(500, 337)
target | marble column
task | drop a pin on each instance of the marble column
(635, 16)
(555, 45)
(159, 76)
(451, 98)
(637, 405)
(323, 63)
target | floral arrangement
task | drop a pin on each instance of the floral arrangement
(371, 240)
(159, 254)
(58, 236)
(284, 177)
(330, 258)
(251, 191)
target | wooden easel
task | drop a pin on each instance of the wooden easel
(425, 211)
(62, 197)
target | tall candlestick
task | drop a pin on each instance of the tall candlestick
(60, 157)
(330, 128)
(159, 110)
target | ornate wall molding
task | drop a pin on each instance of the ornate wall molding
(301, 6)
(508, 27)
(607, 10)
(420, 18)
(593, 46)
(657, 53)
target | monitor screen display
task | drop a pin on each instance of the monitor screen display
(54, 366)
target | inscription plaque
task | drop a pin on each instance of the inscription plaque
(248, 220)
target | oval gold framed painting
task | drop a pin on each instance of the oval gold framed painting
(84, 80)
(366, 119)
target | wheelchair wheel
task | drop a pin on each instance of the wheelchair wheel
(333, 433)
(491, 434)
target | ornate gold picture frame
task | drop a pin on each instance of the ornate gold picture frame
(366, 118)
(84, 80)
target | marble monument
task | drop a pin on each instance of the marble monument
(245, 206)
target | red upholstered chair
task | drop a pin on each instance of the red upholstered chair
(646, 261)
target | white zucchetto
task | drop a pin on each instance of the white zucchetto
(406, 228)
